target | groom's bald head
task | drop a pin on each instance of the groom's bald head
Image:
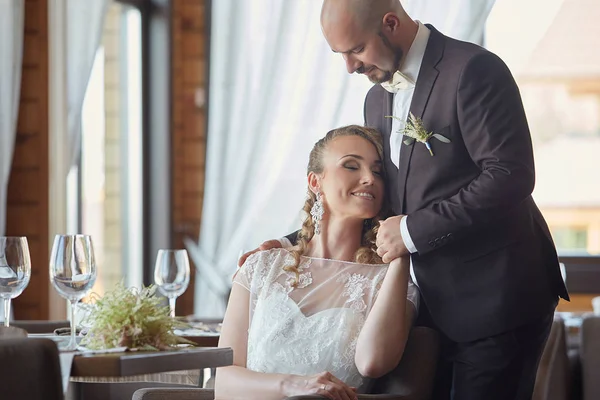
(367, 14)
(372, 35)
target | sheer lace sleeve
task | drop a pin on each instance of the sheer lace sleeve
(243, 277)
(253, 274)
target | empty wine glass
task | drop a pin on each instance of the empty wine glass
(15, 270)
(72, 272)
(172, 274)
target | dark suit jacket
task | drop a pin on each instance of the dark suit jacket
(486, 262)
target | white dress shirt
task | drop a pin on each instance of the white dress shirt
(409, 71)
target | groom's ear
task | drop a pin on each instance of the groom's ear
(391, 22)
(314, 182)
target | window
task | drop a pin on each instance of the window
(570, 239)
(545, 43)
(106, 188)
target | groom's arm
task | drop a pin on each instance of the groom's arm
(495, 131)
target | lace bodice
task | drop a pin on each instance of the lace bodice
(313, 327)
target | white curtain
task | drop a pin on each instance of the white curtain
(85, 23)
(460, 19)
(275, 89)
(12, 14)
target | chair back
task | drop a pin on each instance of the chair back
(9, 332)
(413, 377)
(32, 326)
(553, 381)
(590, 357)
(30, 369)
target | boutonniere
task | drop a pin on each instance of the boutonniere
(414, 130)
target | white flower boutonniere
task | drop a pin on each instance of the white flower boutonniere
(414, 130)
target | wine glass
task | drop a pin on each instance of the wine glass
(15, 270)
(172, 274)
(72, 272)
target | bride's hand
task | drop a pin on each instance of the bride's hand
(322, 384)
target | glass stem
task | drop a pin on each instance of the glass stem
(6, 311)
(73, 344)
(172, 306)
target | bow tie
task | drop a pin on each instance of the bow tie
(398, 82)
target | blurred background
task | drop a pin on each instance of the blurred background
(154, 124)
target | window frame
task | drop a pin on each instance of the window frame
(156, 124)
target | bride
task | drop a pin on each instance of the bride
(318, 317)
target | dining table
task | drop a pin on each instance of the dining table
(202, 332)
(114, 375)
(107, 374)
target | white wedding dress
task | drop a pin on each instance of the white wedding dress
(314, 327)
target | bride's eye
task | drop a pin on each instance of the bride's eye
(351, 166)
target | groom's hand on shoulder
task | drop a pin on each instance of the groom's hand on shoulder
(268, 245)
(390, 244)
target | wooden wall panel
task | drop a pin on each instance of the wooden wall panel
(27, 147)
(31, 78)
(188, 126)
(27, 211)
(29, 122)
(24, 186)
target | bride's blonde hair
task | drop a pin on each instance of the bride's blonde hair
(367, 253)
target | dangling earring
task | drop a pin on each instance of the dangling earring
(316, 212)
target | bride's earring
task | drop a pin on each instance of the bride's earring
(316, 212)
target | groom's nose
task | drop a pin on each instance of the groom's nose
(352, 64)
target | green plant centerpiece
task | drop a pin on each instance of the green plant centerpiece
(132, 318)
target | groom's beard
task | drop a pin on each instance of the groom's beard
(379, 76)
(386, 75)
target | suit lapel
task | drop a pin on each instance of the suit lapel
(427, 77)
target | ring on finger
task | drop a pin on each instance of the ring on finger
(324, 387)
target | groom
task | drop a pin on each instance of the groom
(481, 252)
